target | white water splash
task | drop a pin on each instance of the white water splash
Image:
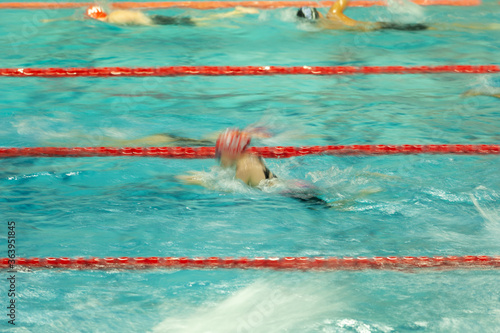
(491, 216)
(221, 180)
(405, 11)
(266, 306)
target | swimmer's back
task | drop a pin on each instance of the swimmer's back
(128, 17)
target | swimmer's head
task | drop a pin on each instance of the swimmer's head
(232, 142)
(309, 13)
(96, 12)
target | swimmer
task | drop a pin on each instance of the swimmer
(125, 17)
(231, 150)
(336, 20)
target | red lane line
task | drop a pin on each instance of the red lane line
(290, 263)
(268, 152)
(243, 70)
(225, 4)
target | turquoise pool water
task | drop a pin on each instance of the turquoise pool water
(384, 205)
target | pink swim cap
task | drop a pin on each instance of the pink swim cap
(96, 12)
(232, 141)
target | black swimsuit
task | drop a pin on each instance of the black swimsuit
(172, 20)
(402, 26)
(309, 198)
(267, 172)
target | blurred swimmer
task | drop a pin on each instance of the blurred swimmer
(231, 150)
(336, 20)
(126, 17)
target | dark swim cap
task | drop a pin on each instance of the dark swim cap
(309, 13)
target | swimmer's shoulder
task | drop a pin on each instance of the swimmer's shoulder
(250, 170)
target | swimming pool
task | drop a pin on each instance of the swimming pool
(387, 205)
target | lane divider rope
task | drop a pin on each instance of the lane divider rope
(268, 152)
(243, 70)
(226, 4)
(290, 263)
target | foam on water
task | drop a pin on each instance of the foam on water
(490, 214)
(405, 11)
(266, 305)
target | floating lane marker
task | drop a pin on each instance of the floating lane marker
(244, 70)
(284, 263)
(268, 152)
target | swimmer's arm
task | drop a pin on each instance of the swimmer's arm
(337, 8)
(238, 11)
(194, 178)
(336, 14)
